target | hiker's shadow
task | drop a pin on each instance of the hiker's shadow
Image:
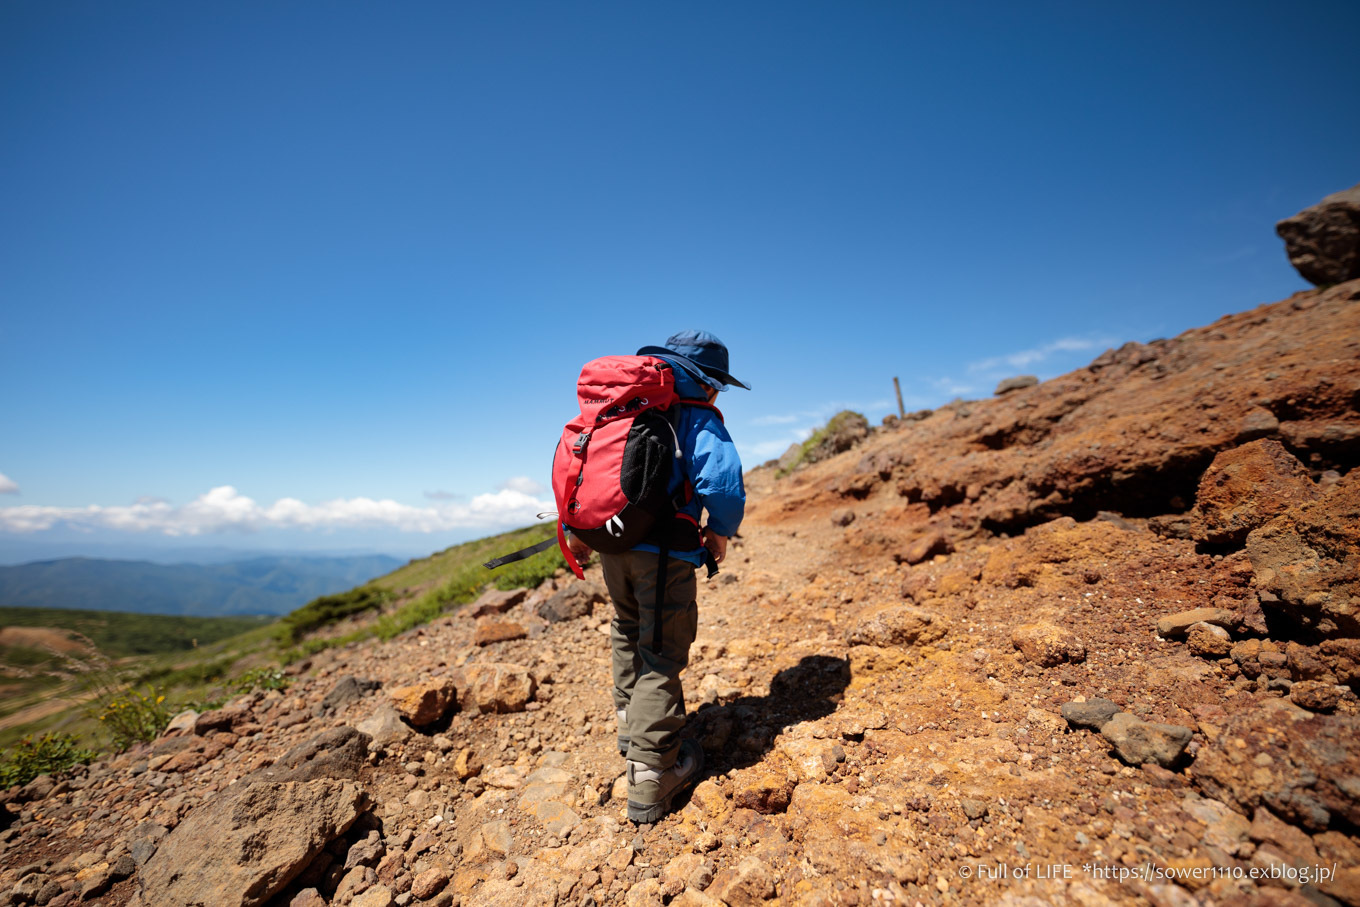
(741, 732)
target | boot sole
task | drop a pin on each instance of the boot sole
(651, 813)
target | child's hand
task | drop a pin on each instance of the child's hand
(716, 544)
(579, 549)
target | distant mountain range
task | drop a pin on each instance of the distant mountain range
(260, 585)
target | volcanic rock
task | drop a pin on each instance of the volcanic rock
(497, 687)
(899, 625)
(1019, 382)
(496, 601)
(182, 723)
(1178, 624)
(1208, 640)
(842, 517)
(493, 631)
(1247, 487)
(573, 601)
(1047, 645)
(429, 883)
(338, 753)
(926, 547)
(1323, 242)
(1092, 714)
(346, 690)
(1310, 558)
(426, 702)
(1137, 741)
(243, 848)
(385, 726)
(1301, 765)
(223, 719)
(748, 883)
(1315, 695)
(767, 792)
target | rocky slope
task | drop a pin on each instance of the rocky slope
(1088, 642)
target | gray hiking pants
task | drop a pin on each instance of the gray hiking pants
(647, 666)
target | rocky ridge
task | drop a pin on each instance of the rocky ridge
(1092, 641)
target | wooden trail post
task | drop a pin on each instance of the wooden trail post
(901, 410)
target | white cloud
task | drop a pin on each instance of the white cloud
(760, 451)
(7, 485)
(224, 509)
(801, 425)
(1026, 358)
(952, 388)
(522, 484)
(785, 419)
(819, 415)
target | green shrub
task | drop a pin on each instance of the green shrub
(50, 754)
(126, 715)
(270, 678)
(842, 432)
(328, 609)
(460, 576)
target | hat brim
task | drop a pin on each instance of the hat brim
(698, 370)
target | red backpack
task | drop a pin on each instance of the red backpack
(612, 468)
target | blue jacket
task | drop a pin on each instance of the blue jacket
(710, 463)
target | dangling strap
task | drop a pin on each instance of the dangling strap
(519, 555)
(566, 552)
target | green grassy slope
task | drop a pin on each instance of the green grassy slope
(159, 650)
(423, 589)
(121, 634)
(465, 561)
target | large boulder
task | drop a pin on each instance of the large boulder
(1310, 558)
(1300, 765)
(1247, 487)
(243, 847)
(336, 754)
(1323, 242)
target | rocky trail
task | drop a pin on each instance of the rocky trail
(1091, 641)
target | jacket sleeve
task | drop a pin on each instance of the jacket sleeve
(715, 470)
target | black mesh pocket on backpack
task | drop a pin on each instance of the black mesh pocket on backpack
(648, 458)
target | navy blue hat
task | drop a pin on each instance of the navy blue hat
(704, 354)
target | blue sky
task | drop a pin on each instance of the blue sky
(345, 259)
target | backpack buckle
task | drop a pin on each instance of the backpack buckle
(581, 441)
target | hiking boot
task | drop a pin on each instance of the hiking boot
(650, 791)
(623, 732)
